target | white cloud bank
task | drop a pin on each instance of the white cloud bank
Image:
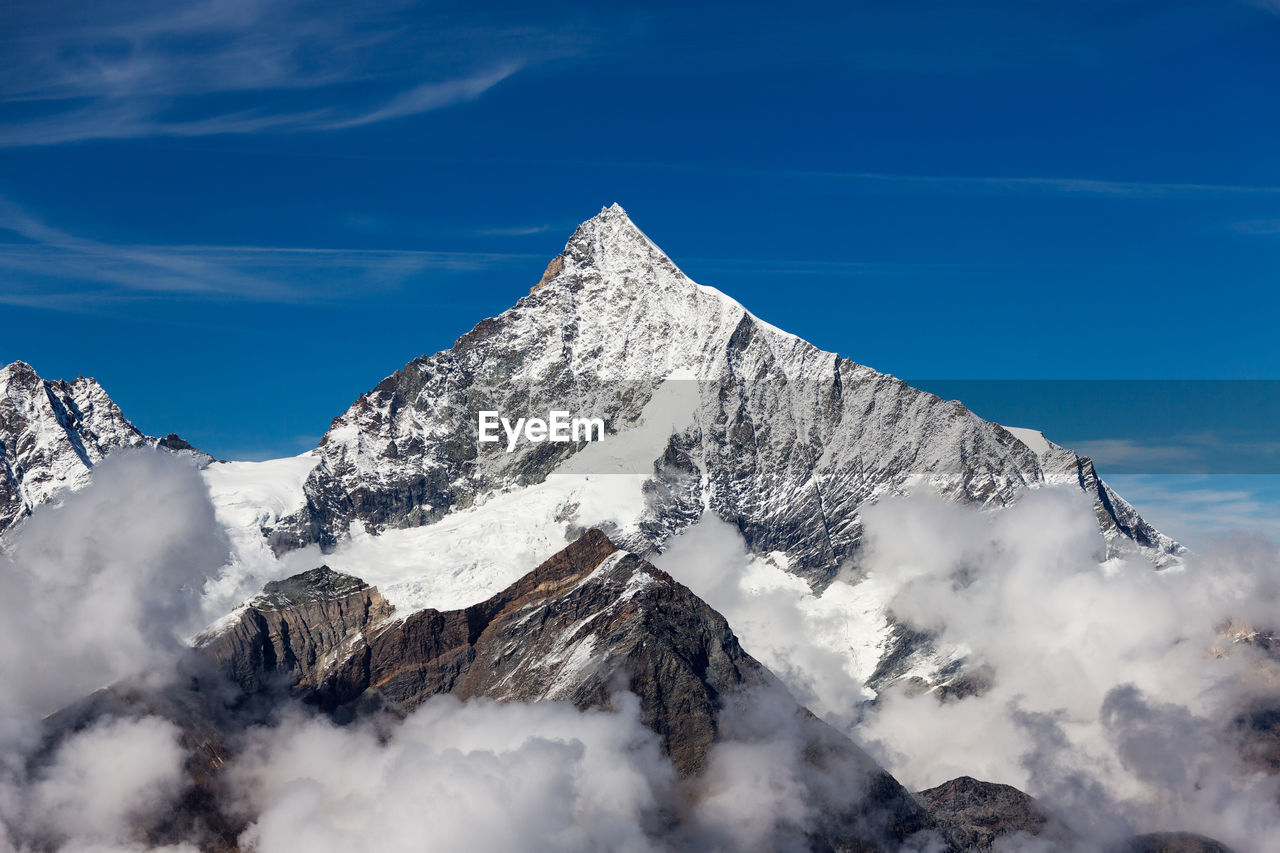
(1114, 687)
(99, 588)
(1113, 691)
(104, 585)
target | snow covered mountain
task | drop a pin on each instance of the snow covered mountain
(689, 558)
(708, 411)
(53, 433)
(707, 408)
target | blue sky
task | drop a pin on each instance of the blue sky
(240, 215)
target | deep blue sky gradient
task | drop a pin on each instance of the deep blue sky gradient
(238, 216)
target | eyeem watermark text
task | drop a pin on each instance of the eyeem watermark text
(558, 427)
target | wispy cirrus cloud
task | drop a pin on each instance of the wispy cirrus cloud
(1033, 185)
(1272, 6)
(1198, 507)
(47, 267)
(1242, 451)
(987, 185)
(1257, 227)
(407, 227)
(119, 71)
(518, 230)
(1126, 451)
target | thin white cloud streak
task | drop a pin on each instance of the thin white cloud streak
(1272, 6)
(1258, 227)
(430, 96)
(51, 266)
(516, 231)
(1119, 451)
(1062, 186)
(983, 184)
(1200, 453)
(135, 119)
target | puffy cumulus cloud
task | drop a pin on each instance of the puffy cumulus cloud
(474, 776)
(1114, 686)
(778, 779)
(100, 783)
(99, 588)
(105, 584)
(121, 566)
(822, 648)
(482, 775)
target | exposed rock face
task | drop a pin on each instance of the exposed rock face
(783, 440)
(294, 630)
(206, 730)
(590, 621)
(978, 813)
(1173, 842)
(53, 433)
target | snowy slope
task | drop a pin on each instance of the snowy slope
(773, 435)
(1033, 438)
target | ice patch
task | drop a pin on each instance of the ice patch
(1032, 438)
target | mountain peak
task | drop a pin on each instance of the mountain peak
(612, 215)
(611, 242)
(17, 369)
(52, 433)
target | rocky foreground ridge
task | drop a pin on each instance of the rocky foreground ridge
(585, 624)
(588, 622)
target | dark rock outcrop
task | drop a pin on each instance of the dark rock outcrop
(585, 624)
(294, 631)
(1172, 842)
(588, 622)
(977, 813)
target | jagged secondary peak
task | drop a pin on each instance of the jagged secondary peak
(53, 432)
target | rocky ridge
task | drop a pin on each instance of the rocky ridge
(588, 622)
